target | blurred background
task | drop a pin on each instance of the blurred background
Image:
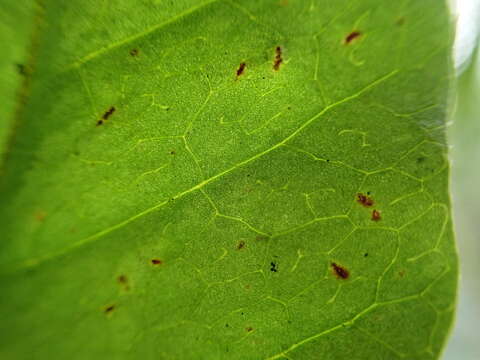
(464, 137)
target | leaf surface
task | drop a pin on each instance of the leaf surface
(230, 180)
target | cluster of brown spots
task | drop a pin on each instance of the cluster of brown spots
(278, 58)
(339, 271)
(376, 215)
(241, 69)
(352, 36)
(249, 329)
(106, 115)
(109, 309)
(134, 52)
(241, 245)
(364, 200)
(156, 262)
(273, 267)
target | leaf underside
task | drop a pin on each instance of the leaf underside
(229, 179)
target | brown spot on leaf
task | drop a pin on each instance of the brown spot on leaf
(400, 21)
(156, 262)
(109, 309)
(376, 215)
(241, 245)
(172, 152)
(364, 200)
(106, 115)
(122, 279)
(261, 237)
(352, 36)
(241, 69)
(401, 273)
(278, 58)
(134, 52)
(248, 329)
(339, 271)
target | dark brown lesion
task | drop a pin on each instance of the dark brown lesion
(352, 36)
(156, 262)
(340, 271)
(278, 58)
(106, 115)
(109, 309)
(241, 69)
(241, 245)
(364, 200)
(134, 52)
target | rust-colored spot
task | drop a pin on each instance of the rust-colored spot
(134, 52)
(241, 245)
(122, 279)
(401, 273)
(109, 309)
(352, 36)
(376, 215)
(249, 328)
(40, 216)
(278, 58)
(241, 69)
(364, 200)
(247, 286)
(156, 262)
(339, 271)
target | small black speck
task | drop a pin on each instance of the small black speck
(365, 255)
(368, 192)
(226, 325)
(273, 267)
(328, 160)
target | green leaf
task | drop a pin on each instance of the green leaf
(230, 180)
